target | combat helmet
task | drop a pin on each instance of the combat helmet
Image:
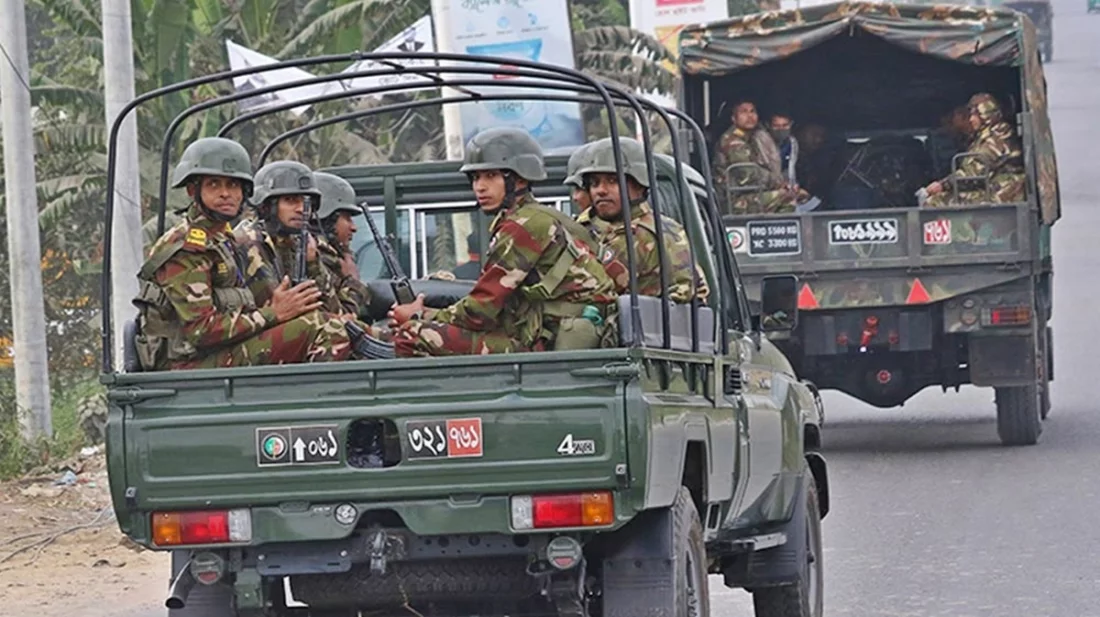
(578, 158)
(601, 160)
(505, 148)
(986, 107)
(214, 156)
(337, 195)
(284, 178)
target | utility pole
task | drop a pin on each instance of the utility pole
(32, 384)
(126, 244)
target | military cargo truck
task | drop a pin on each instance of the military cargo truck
(593, 482)
(893, 297)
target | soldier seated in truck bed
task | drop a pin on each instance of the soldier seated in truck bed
(993, 170)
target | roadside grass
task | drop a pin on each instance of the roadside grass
(17, 456)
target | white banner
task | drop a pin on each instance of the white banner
(242, 57)
(665, 18)
(536, 30)
(415, 38)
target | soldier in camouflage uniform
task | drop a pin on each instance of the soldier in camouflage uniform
(739, 145)
(336, 228)
(602, 181)
(579, 194)
(195, 310)
(541, 286)
(286, 197)
(999, 157)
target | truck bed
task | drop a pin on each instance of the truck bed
(284, 439)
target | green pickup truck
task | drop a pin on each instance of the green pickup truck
(896, 296)
(595, 482)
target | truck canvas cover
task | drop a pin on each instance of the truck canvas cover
(976, 36)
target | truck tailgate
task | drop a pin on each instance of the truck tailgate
(300, 433)
(875, 257)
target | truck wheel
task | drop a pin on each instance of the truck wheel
(1018, 411)
(633, 590)
(806, 597)
(204, 600)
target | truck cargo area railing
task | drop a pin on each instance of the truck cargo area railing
(537, 81)
(884, 238)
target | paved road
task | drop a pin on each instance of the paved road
(931, 515)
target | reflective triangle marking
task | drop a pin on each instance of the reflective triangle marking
(806, 299)
(918, 294)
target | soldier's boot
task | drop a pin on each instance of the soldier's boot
(366, 347)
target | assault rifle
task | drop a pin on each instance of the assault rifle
(402, 288)
(298, 275)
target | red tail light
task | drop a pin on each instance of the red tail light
(1008, 316)
(594, 509)
(201, 527)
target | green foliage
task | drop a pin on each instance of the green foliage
(16, 455)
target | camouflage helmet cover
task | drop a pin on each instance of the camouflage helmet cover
(213, 156)
(337, 195)
(986, 107)
(505, 148)
(576, 159)
(601, 160)
(284, 178)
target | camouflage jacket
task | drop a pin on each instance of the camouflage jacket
(192, 295)
(613, 255)
(593, 223)
(541, 266)
(1000, 155)
(269, 258)
(353, 295)
(735, 146)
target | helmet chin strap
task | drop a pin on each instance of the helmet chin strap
(274, 226)
(206, 210)
(511, 193)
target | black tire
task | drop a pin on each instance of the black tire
(1018, 415)
(806, 597)
(204, 600)
(691, 585)
(630, 590)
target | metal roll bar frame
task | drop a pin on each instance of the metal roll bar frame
(580, 83)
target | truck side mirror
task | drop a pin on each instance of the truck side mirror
(779, 303)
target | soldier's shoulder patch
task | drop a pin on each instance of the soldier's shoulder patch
(223, 268)
(196, 240)
(607, 255)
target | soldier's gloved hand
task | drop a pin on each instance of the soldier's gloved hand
(290, 302)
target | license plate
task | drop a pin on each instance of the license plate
(451, 438)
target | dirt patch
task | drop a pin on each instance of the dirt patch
(60, 547)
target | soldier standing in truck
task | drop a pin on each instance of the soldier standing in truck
(195, 310)
(336, 229)
(598, 172)
(541, 285)
(997, 157)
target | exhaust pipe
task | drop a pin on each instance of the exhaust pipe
(181, 588)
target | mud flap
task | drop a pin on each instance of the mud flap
(637, 576)
(781, 565)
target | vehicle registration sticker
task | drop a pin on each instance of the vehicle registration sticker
(297, 445)
(775, 237)
(451, 438)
